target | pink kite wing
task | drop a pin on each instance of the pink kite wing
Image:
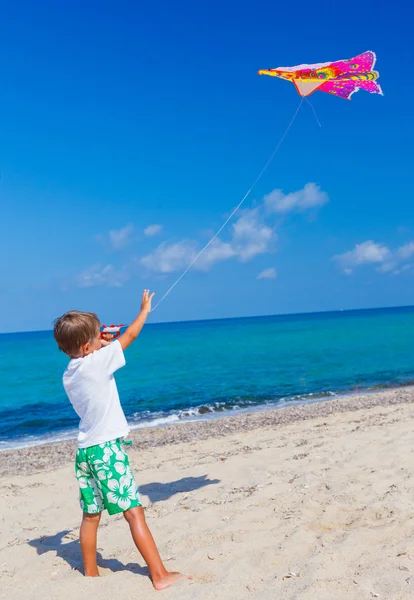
(345, 89)
(362, 63)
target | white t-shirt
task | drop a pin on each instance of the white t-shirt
(90, 385)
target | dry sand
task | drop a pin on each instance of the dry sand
(314, 502)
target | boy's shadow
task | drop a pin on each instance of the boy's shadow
(157, 492)
(70, 552)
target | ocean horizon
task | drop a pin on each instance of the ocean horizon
(186, 370)
(287, 314)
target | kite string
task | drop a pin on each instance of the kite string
(262, 172)
(314, 111)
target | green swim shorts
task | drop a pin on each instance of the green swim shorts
(105, 479)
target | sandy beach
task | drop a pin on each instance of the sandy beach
(311, 502)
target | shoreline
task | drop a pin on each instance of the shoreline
(52, 455)
(294, 401)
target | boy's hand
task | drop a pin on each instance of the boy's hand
(134, 329)
(146, 302)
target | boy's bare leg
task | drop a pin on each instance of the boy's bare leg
(88, 535)
(161, 578)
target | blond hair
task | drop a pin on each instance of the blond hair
(74, 329)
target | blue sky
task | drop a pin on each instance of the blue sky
(116, 118)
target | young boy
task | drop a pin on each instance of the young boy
(102, 467)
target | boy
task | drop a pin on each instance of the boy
(102, 467)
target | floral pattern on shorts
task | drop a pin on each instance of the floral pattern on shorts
(105, 479)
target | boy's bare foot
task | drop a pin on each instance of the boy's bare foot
(170, 579)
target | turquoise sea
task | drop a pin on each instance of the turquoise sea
(181, 371)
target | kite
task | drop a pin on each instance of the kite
(341, 78)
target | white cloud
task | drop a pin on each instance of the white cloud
(169, 258)
(268, 274)
(406, 251)
(119, 238)
(403, 269)
(251, 236)
(153, 230)
(387, 266)
(369, 252)
(365, 253)
(216, 252)
(96, 275)
(310, 196)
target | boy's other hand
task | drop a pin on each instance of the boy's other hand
(146, 302)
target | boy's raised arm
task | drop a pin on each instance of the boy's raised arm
(134, 329)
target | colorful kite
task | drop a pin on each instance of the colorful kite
(341, 78)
